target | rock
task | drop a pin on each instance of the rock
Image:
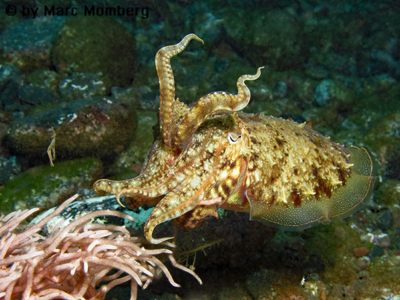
(3, 130)
(313, 265)
(237, 291)
(280, 89)
(383, 240)
(46, 186)
(293, 254)
(384, 220)
(34, 95)
(44, 79)
(96, 127)
(206, 25)
(132, 158)
(388, 193)
(322, 37)
(394, 234)
(93, 45)
(376, 251)
(314, 289)
(317, 71)
(321, 94)
(272, 35)
(7, 73)
(363, 262)
(82, 85)
(384, 134)
(27, 44)
(143, 96)
(333, 93)
(359, 252)
(78, 209)
(342, 291)
(362, 275)
(26, 93)
(9, 97)
(9, 167)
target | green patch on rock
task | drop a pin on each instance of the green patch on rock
(332, 241)
(46, 186)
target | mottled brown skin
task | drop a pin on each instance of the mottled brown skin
(208, 156)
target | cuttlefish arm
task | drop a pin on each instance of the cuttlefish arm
(210, 103)
(211, 180)
(184, 185)
(167, 85)
(157, 163)
(229, 180)
(179, 201)
(204, 107)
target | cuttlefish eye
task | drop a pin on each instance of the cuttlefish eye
(234, 138)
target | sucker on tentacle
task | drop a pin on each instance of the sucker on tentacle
(282, 173)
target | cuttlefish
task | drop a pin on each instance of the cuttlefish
(212, 156)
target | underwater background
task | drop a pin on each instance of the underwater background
(79, 77)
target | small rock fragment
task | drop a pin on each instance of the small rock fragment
(362, 251)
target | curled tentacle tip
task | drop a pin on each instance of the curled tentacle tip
(119, 200)
(259, 71)
(158, 241)
(97, 186)
(194, 36)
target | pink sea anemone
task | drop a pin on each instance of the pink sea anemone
(76, 261)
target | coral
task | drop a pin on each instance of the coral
(74, 259)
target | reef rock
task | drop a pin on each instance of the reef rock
(92, 45)
(97, 127)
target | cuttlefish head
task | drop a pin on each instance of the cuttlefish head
(212, 167)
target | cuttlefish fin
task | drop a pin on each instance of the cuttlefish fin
(343, 201)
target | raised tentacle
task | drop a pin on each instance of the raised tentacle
(210, 103)
(167, 85)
